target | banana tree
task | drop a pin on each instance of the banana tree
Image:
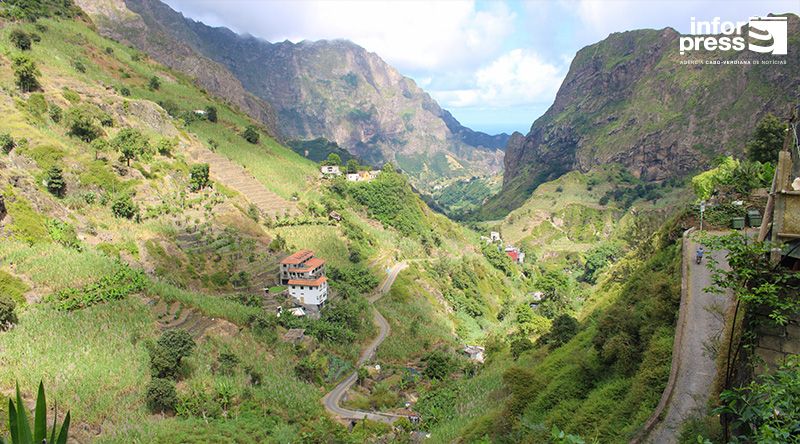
(21, 432)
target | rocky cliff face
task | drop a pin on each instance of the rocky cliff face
(331, 89)
(629, 99)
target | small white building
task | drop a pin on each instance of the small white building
(495, 236)
(330, 170)
(353, 177)
(474, 352)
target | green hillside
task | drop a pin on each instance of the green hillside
(103, 254)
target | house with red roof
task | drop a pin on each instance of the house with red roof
(304, 275)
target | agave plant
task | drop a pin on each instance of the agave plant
(20, 428)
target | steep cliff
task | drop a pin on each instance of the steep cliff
(632, 99)
(331, 89)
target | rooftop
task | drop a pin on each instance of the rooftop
(308, 265)
(310, 282)
(298, 257)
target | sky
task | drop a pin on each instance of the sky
(496, 65)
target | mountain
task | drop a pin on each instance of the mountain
(124, 25)
(629, 99)
(331, 89)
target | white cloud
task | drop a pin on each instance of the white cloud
(410, 35)
(519, 77)
(602, 17)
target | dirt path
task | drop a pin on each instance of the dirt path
(333, 399)
(700, 325)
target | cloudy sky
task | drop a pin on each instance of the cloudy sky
(496, 65)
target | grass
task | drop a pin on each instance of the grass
(12, 287)
(327, 242)
(90, 360)
(417, 323)
(57, 267)
(211, 306)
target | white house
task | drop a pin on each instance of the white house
(354, 177)
(304, 275)
(494, 236)
(474, 352)
(330, 170)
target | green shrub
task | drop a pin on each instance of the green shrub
(211, 113)
(227, 363)
(26, 74)
(154, 83)
(54, 178)
(165, 147)
(161, 395)
(37, 104)
(125, 91)
(8, 315)
(20, 39)
(198, 176)
(12, 287)
(63, 233)
(79, 66)
(767, 410)
(123, 207)
(7, 143)
(178, 343)
(82, 122)
(55, 113)
(131, 144)
(108, 288)
(250, 134)
(563, 329)
(520, 345)
(438, 365)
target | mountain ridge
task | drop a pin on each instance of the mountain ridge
(628, 99)
(330, 88)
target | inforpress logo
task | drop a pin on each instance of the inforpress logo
(766, 30)
(768, 35)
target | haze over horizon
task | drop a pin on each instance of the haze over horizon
(495, 65)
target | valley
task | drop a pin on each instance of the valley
(208, 237)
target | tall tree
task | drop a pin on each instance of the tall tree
(767, 139)
(25, 73)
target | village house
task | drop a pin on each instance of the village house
(363, 176)
(494, 236)
(515, 254)
(474, 352)
(330, 170)
(304, 275)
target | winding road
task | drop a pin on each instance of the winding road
(333, 399)
(701, 323)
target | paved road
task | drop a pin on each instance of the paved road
(332, 400)
(700, 326)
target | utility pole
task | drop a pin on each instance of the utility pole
(702, 211)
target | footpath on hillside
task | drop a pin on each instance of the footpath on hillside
(701, 323)
(333, 399)
(236, 177)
